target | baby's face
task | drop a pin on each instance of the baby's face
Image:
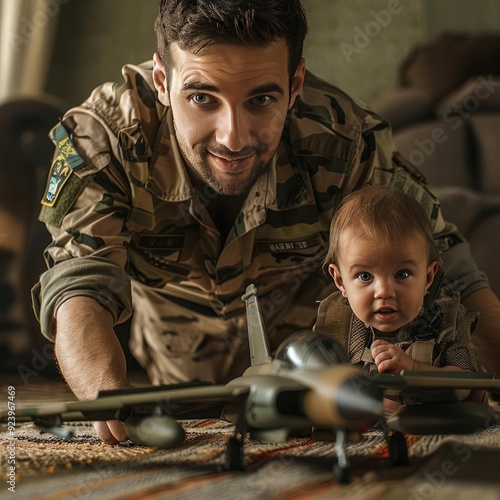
(384, 283)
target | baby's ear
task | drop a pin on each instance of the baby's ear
(337, 278)
(431, 273)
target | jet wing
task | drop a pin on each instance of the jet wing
(444, 417)
(416, 387)
(436, 380)
(116, 404)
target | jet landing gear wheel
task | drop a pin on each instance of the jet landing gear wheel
(341, 468)
(234, 454)
(342, 474)
(396, 443)
(234, 449)
(398, 449)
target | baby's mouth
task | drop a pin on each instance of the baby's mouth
(386, 313)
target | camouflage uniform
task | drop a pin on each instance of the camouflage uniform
(125, 210)
(451, 346)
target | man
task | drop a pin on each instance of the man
(219, 166)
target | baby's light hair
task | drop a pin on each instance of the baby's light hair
(380, 212)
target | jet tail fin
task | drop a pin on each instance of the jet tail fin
(257, 335)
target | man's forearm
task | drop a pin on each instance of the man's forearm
(486, 337)
(89, 354)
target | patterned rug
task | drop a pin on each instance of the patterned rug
(47, 467)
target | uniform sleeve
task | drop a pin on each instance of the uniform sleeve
(377, 155)
(85, 207)
(461, 352)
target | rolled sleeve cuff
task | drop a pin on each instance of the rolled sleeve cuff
(93, 277)
(462, 273)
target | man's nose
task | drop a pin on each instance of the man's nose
(233, 129)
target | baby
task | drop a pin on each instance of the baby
(383, 259)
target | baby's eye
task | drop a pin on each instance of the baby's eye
(365, 276)
(402, 275)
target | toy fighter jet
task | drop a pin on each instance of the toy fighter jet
(307, 385)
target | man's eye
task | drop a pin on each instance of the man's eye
(201, 98)
(365, 277)
(402, 275)
(263, 100)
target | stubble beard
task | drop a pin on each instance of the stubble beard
(233, 186)
(197, 163)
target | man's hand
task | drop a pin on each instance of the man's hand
(90, 356)
(111, 431)
(390, 358)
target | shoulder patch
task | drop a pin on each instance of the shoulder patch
(66, 162)
(60, 137)
(58, 176)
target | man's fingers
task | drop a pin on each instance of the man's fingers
(118, 430)
(111, 431)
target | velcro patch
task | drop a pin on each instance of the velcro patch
(161, 242)
(54, 214)
(66, 162)
(59, 175)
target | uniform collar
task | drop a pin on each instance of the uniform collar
(168, 178)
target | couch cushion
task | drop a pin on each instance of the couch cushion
(486, 130)
(485, 246)
(440, 150)
(443, 64)
(403, 107)
(478, 94)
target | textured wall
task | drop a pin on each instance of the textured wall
(471, 16)
(358, 44)
(95, 39)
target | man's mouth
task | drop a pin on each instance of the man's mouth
(232, 165)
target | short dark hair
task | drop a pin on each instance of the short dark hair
(197, 24)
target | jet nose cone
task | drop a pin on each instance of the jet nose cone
(359, 400)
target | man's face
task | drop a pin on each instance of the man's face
(229, 105)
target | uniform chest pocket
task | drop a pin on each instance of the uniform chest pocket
(156, 259)
(290, 254)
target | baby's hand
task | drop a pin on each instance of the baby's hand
(390, 358)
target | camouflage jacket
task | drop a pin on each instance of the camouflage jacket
(119, 203)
